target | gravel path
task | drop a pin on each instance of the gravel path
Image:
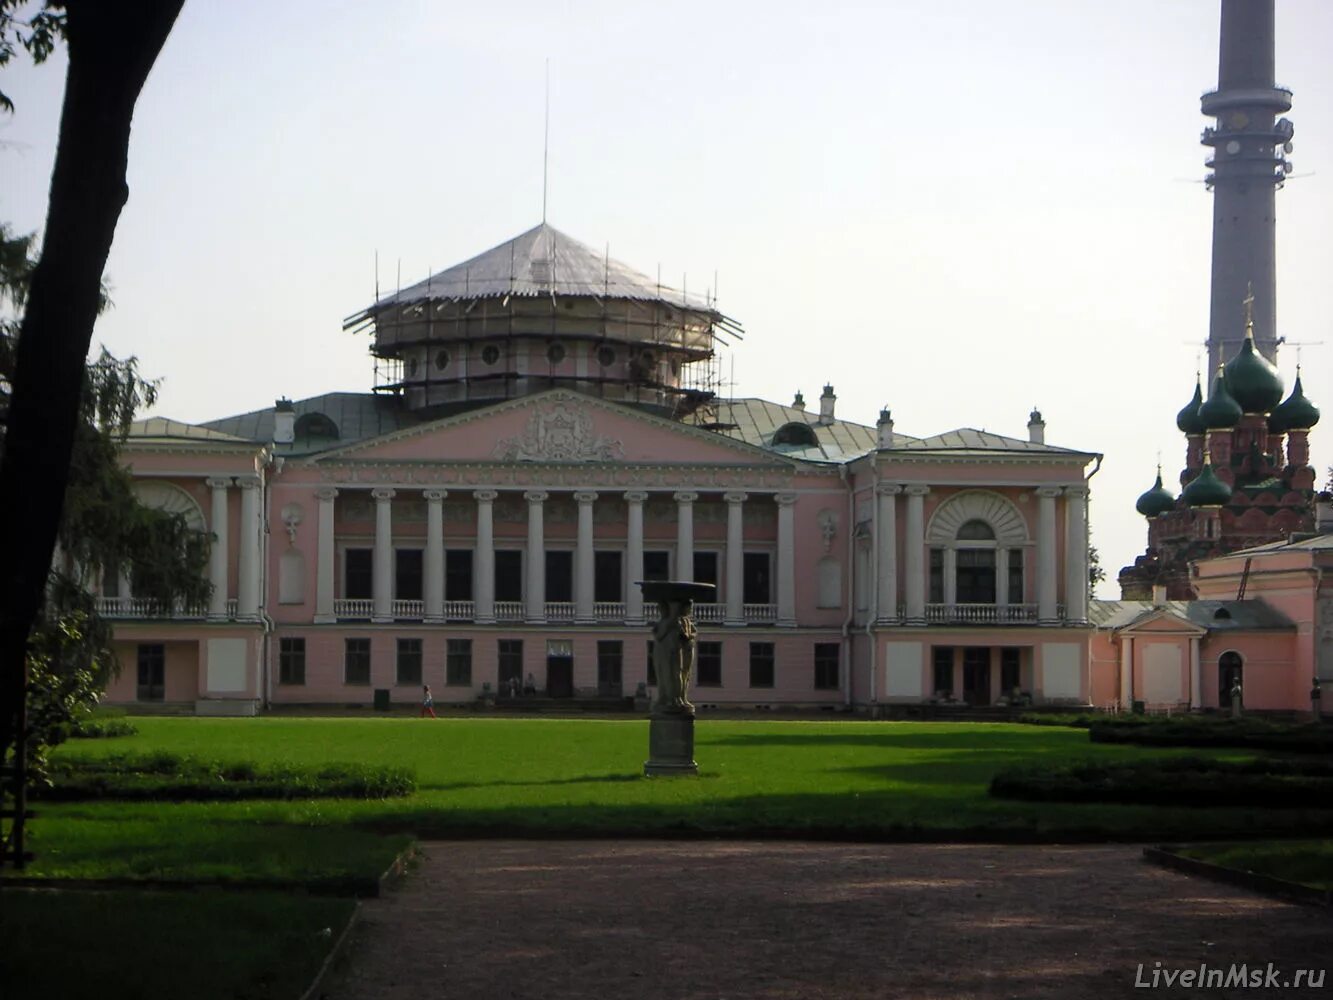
(681, 920)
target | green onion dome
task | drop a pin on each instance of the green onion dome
(1157, 500)
(1188, 419)
(1220, 410)
(1295, 413)
(1206, 490)
(1251, 378)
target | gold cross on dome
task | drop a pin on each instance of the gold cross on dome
(1248, 302)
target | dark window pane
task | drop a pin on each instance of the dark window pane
(1011, 676)
(356, 661)
(708, 668)
(407, 574)
(508, 575)
(761, 664)
(458, 663)
(705, 567)
(943, 670)
(976, 531)
(657, 565)
(458, 575)
(608, 585)
(827, 655)
(976, 576)
(610, 667)
(510, 665)
(559, 575)
(936, 576)
(409, 661)
(152, 672)
(1015, 576)
(358, 575)
(291, 661)
(756, 583)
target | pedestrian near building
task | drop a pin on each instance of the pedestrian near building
(427, 702)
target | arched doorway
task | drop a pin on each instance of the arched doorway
(1230, 669)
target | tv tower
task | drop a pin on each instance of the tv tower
(1248, 165)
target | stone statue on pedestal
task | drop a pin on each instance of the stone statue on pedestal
(675, 646)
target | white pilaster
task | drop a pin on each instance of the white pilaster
(217, 555)
(886, 558)
(734, 582)
(634, 556)
(247, 587)
(1076, 554)
(433, 585)
(583, 559)
(685, 535)
(483, 567)
(1126, 672)
(1047, 574)
(786, 559)
(382, 606)
(914, 558)
(535, 609)
(325, 569)
(1196, 674)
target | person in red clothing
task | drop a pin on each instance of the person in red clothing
(427, 702)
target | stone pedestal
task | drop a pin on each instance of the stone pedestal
(670, 746)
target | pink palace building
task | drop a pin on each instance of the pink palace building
(545, 431)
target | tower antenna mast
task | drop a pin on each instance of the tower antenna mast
(546, 137)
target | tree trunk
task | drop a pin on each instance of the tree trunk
(112, 47)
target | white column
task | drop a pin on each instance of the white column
(1126, 672)
(433, 589)
(326, 568)
(950, 576)
(1196, 674)
(536, 590)
(735, 578)
(886, 558)
(914, 558)
(382, 607)
(634, 556)
(483, 564)
(685, 535)
(786, 559)
(1047, 578)
(247, 587)
(1002, 580)
(1076, 554)
(217, 555)
(583, 560)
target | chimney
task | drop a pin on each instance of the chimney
(885, 428)
(799, 402)
(1159, 595)
(826, 402)
(1036, 427)
(1323, 514)
(284, 421)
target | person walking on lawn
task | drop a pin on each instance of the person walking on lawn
(427, 702)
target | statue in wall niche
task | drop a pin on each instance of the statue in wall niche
(675, 642)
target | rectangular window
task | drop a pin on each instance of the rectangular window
(975, 581)
(1011, 674)
(1015, 576)
(409, 661)
(756, 583)
(610, 667)
(358, 574)
(152, 679)
(356, 661)
(111, 582)
(657, 565)
(508, 574)
(458, 574)
(458, 663)
(559, 575)
(407, 574)
(291, 661)
(608, 582)
(761, 664)
(708, 668)
(705, 567)
(510, 670)
(943, 670)
(652, 669)
(936, 576)
(827, 655)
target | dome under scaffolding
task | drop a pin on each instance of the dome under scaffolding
(544, 310)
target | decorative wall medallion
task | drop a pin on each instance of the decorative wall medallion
(828, 527)
(560, 433)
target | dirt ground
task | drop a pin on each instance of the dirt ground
(681, 920)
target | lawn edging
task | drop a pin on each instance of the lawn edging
(1166, 856)
(313, 991)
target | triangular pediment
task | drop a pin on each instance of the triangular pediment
(1162, 621)
(560, 427)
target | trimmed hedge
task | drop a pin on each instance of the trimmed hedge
(1176, 781)
(1205, 731)
(101, 729)
(171, 777)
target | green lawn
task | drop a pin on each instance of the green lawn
(1309, 862)
(540, 777)
(130, 945)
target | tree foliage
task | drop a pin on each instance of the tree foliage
(37, 34)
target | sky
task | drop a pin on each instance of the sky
(957, 209)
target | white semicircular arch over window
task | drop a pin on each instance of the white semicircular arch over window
(171, 499)
(977, 505)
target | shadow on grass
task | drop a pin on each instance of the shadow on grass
(588, 779)
(1034, 741)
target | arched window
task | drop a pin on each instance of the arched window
(796, 433)
(976, 540)
(975, 530)
(316, 425)
(1230, 672)
(974, 563)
